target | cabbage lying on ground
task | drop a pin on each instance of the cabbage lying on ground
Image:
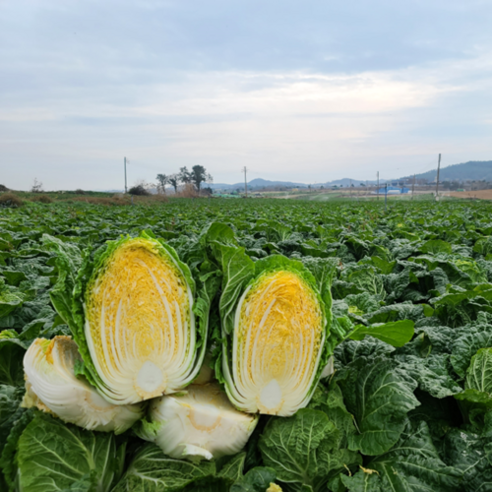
(199, 423)
(137, 315)
(51, 386)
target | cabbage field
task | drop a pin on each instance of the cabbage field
(246, 346)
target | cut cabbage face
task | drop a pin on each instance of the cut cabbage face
(139, 324)
(278, 336)
(198, 424)
(52, 387)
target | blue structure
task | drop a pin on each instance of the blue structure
(393, 190)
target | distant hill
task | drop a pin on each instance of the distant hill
(472, 170)
(256, 184)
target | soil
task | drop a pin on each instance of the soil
(479, 194)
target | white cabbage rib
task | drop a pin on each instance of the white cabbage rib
(199, 423)
(140, 326)
(279, 333)
(52, 387)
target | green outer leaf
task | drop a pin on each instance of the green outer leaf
(11, 356)
(52, 455)
(379, 396)
(238, 269)
(256, 480)
(8, 464)
(68, 261)
(479, 374)
(432, 374)
(436, 246)
(303, 449)
(10, 300)
(471, 338)
(363, 481)
(330, 401)
(152, 471)
(413, 464)
(10, 399)
(232, 470)
(396, 333)
(472, 455)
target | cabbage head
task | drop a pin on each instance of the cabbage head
(275, 317)
(51, 386)
(139, 318)
(199, 423)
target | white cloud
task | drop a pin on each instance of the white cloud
(74, 113)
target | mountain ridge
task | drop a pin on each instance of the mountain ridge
(471, 170)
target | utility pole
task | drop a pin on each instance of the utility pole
(413, 185)
(378, 185)
(125, 177)
(245, 183)
(386, 197)
(437, 182)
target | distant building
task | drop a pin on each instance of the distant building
(392, 190)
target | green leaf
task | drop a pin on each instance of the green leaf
(472, 455)
(472, 338)
(8, 464)
(238, 270)
(53, 456)
(257, 479)
(413, 464)
(435, 246)
(330, 401)
(432, 374)
(232, 470)
(10, 399)
(396, 333)
(68, 262)
(476, 400)
(479, 374)
(365, 480)
(303, 449)
(10, 299)
(152, 471)
(379, 395)
(11, 356)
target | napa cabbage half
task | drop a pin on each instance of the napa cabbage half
(275, 320)
(137, 314)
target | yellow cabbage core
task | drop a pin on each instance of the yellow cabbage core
(277, 343)
(140, 323)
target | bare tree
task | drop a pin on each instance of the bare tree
(162, 181)
(37, 186)
(173, 180)
(184, 175)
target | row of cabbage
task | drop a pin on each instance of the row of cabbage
(385, 413)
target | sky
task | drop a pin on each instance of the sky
(306, 91)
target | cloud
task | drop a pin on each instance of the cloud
(306, 91)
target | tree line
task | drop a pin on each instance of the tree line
(196, 177)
